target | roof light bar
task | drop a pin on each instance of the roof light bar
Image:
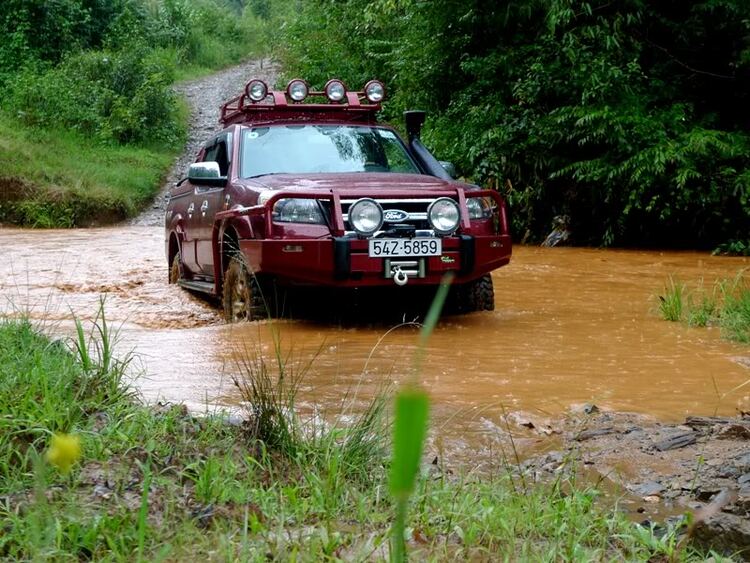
(256, 90)
(297, 90)
(259, 102)
(374, 91)
(335, 90)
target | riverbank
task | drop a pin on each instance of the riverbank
(661, 471)
(159, 483)
(56, 178)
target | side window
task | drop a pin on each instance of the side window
(210, 154)
(219, 152)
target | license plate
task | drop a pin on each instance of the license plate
(405, 247)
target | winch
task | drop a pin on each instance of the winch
(401, 270)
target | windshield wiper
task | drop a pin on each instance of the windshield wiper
(264, 174)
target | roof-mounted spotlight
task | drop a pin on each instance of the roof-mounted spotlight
(335, 90)
(297, 90)
(256, 90)
(374, 91)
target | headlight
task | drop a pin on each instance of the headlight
(365, 216)
(297, 90)
(443, 215)
(335, 90)
(256, 90)
(297, 211)
(479, 207)
(374, 91)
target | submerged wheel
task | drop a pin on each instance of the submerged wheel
(477, 295)
(175, 269)
(241, 297)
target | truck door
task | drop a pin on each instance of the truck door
(208, 201)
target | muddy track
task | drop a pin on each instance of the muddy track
(50, 275)
(205, 96)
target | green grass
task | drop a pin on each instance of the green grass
(726, 305)
(671, 303)
(61, 179)
(159, 484)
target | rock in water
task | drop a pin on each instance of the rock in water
(725, 533)
(560, 231)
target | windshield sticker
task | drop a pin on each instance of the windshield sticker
(252, 135)
(388, 135)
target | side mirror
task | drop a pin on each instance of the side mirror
(206, 173)
(449, 167)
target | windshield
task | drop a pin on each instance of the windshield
(304, 149)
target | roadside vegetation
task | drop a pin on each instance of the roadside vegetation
(86, 472)
(88, 120)
(726, 305)
(628, 118)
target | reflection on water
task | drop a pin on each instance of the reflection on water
(571, 326)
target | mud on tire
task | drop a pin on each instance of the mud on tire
(241, 298)
(477, 295)
(175, 269)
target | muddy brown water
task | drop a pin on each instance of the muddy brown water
(571, 326)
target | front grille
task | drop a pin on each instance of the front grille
(415, 210)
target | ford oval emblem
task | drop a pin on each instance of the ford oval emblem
(395, 215)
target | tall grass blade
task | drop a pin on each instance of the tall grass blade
(82, 348)
(410, 429)
(671, 303)
(143, 512)
(409, 432)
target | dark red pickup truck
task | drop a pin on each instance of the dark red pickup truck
(306, 188)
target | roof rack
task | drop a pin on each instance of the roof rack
(259, 105)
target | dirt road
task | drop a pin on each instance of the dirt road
(205, 96)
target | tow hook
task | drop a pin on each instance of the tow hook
(399, 276)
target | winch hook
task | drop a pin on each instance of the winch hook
(399, 276)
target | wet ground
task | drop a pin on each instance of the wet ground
(571, 326)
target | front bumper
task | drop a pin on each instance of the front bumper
(344, 262)
(341, 260)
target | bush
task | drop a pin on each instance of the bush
(627, 117)
(121, 96)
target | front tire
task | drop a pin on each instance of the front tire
(241, 299)
(477, 295)
(175, 269)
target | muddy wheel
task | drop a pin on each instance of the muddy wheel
(241, 297)
(477, 295)
(175, 269)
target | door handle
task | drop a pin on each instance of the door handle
(190, 209)
(204, 207)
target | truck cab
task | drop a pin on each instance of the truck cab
(305, 188)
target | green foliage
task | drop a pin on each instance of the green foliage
(672, 302)
(60, 178)
(122, 96)
(726, 306)
(82, 74)
(107, 72)
(627, 117)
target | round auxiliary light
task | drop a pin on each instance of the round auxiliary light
(335, 90)
(443, 215)
(256, 90)
(366, 216)
(297, 90)
(374, 91)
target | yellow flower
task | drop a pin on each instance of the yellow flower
(64, 451)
